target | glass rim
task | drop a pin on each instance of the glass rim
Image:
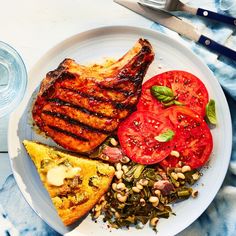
(8, 105)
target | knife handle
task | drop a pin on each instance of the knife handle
(216, 47)
(216, 16)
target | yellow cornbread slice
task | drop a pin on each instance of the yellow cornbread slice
(74, 183)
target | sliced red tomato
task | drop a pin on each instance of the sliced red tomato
(137, 136)
(187, 88)
(194, 142)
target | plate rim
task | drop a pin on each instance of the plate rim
(31, 85)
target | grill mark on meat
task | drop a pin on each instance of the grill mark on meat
(68, 133)
(123, 84)
(117, 89)
(67, 80)
(117, 105)
(63, 139)
(75, 122)
(90, 87)
(89, 112)
(76, 144)
(105, 108)
(108, 124)
(86, 95)
(89, 96)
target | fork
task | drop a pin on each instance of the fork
(177, 5)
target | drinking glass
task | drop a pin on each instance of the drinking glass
(13, 79)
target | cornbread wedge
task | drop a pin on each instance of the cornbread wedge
(75, 184)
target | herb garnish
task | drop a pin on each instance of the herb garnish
(211, 112)
(165, 95)
(165, 136)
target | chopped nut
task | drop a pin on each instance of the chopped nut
(117, 215)
(186, 169)
(174, 175)
(113, 210)
(194, 193)
(181, 175)
(180, 163)
(104, 157)
(153, 199)
(139, 186)
(154, 221)
(125, 159)
(120, 186)
(142, 202)
(174, 153)
(136, 189)
(176, 184)
(113, 142)
(118, 166)
(195, 176)
(125, 168)
(119, 174)
(143, 182)
(157, 192)
(155, 204)
(121, 198)
(114, 185)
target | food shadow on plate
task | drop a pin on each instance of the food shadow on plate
(26, 174)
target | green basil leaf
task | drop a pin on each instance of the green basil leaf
(167, 104)
(173, 102)
(178, 103)
(162, 93)
(211, 112)
(166, 136)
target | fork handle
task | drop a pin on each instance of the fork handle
(216, 47)
(216, 16)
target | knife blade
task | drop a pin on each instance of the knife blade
(176, 24)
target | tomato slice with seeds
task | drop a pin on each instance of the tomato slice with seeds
(137, 137)
(194, 142)
(187, 88)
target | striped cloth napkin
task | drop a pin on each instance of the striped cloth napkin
(220, 217)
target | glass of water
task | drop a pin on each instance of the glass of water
(13, 79)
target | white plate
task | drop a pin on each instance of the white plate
(94, 46)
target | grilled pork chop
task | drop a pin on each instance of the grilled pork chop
(80, 106)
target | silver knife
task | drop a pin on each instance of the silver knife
(174, 23)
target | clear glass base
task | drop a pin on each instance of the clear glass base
(13, 79)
